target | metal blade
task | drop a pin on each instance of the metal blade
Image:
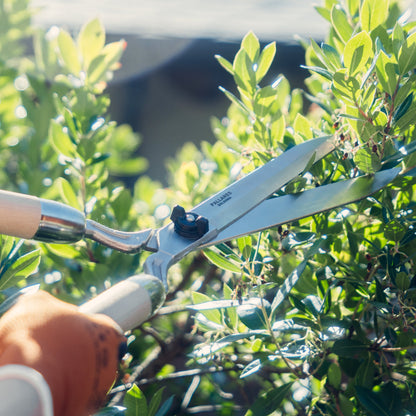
(225, 207)
(283, 209)
(233, 202)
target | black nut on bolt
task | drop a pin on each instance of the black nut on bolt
(188, 224)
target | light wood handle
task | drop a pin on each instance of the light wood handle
(20, 214)
(129, 302)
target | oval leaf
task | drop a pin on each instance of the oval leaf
(373, 13)
(357, 53)
(91, 40)
(135, 402)
(340, 23)
(69, 52)
(371, 401)
(23, 267)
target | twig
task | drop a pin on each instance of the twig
(190, 392)
(118, 398)
(156, 361)
(176, 375)
(152, 332)
(209, 409)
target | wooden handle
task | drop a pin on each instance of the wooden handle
(130, 302)
(20, 214)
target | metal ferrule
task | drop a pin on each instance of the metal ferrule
(60, 223)
(156, 291)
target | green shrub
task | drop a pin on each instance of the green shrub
(336, 331)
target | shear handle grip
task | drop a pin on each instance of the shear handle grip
(29, 217)
(20, 214)
(130, 302)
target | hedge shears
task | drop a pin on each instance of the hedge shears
(244, 207)
(63, 358)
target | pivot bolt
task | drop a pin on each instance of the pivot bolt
(188, 224)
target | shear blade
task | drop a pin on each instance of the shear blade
(237, 199)
(288, 208)
(233, 202)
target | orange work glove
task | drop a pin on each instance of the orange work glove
(76, 353)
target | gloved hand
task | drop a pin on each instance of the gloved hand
(76, 353)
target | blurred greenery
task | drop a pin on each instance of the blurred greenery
(316, 317)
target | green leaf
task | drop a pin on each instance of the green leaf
(349, 348)
(113, 52)
(344, 86)
(265, 60)
(235, 100)
(63, 250)
(401, 110)
(398, 38)
(371, 401)
(364, 376)
(97, 69)
(20, 269)
(324, 12)
(121, 201)
(68, 194)
(277, 130)
(164, 409)
(251, 368)
(373, 13)
(231, 312)
(353, 6)
(287, 286)
(251, 313)
(228, 66)
(317, 51)
(135, 402)
(264, 98)
(340, 23)
(347, 406)
(251, 45)
(213, 315)
(332, 57)
(221, 261)
(302, 127)
(270, 401)
(407, 119)
(61, 141)
(7, 244)
(155, 402)
(402, 281)
(334, 375)
(386, 69)
(244, 74)
(367, 161)
(130, 167)
(69, 52)
(357, 52)
(245, 246)
(321, 71)
(394, 230)
(407, 55)
(214, 304)
(91, 40)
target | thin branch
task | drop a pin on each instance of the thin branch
(190, 392)
(152, 332)
(175, 376)
(209, 409)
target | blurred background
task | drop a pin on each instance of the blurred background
(167, 88)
